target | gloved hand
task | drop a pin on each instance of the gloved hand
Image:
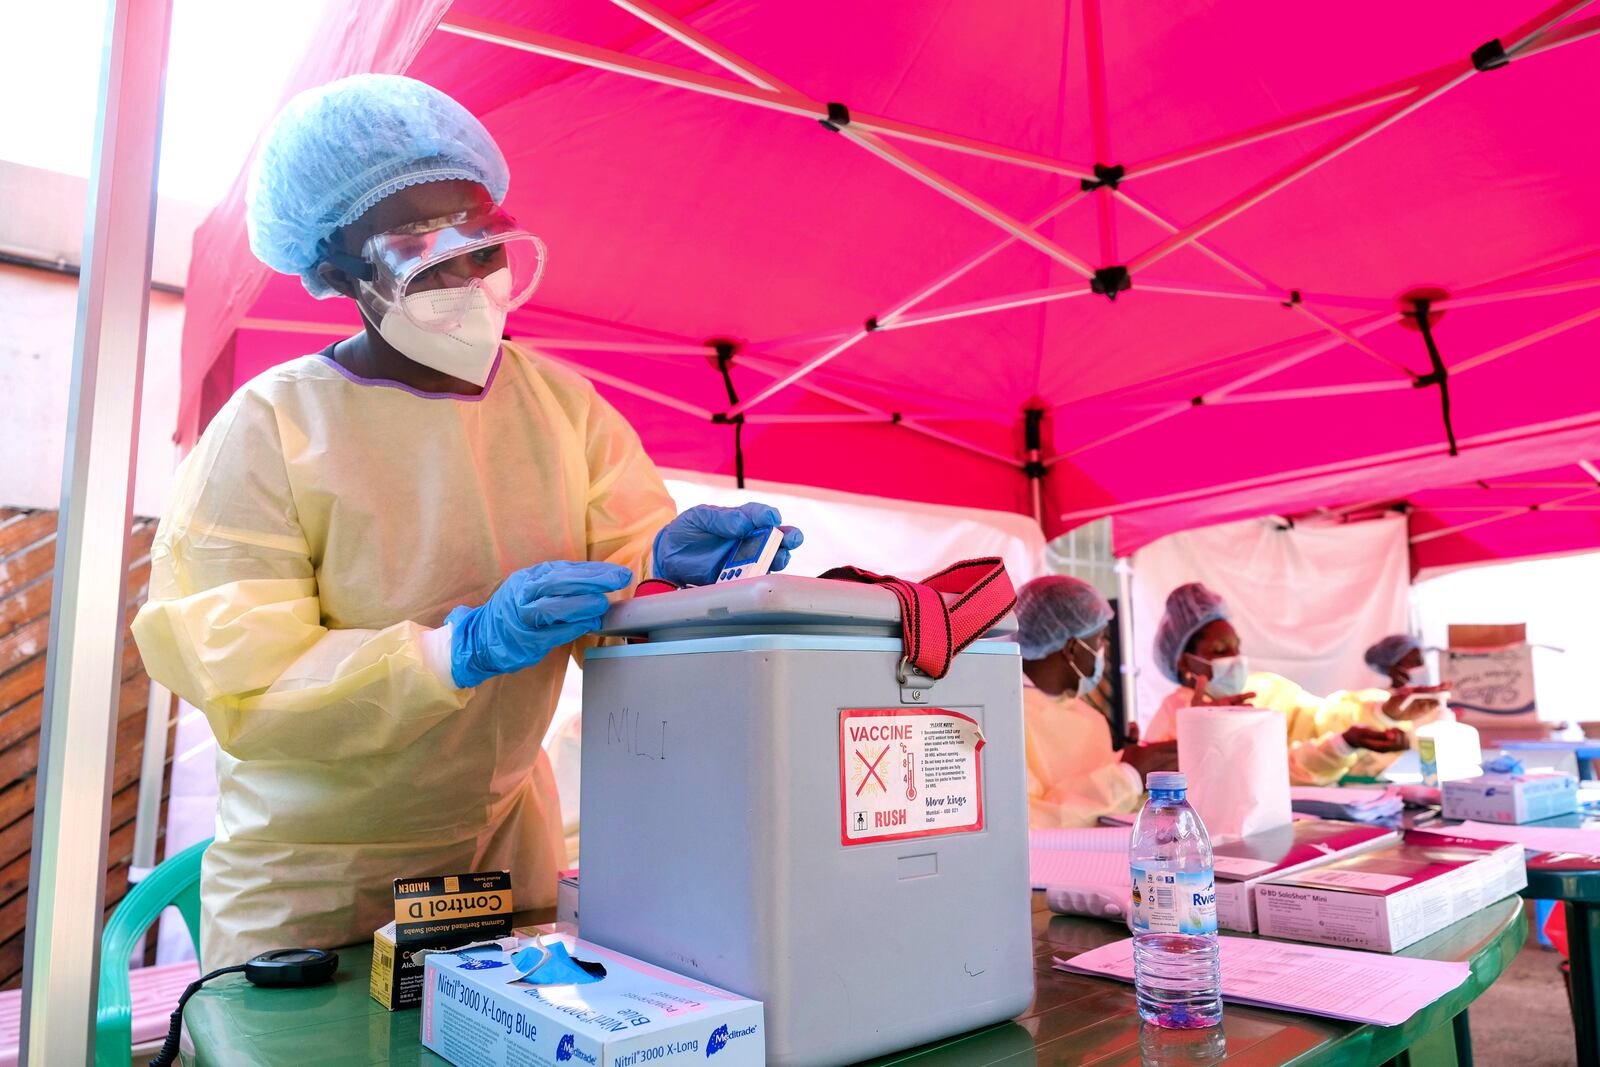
(536, 609)
(690, 549)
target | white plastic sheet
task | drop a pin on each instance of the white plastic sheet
(1306, 600)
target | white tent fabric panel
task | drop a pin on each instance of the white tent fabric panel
(1307, 600)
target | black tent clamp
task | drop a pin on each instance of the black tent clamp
(1109, 281)
(1490, 55)
(725, 350)
(1033, 442)
(1109, 177)
(1440, 375)
(838, 117)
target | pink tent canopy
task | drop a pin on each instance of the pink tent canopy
(1156, 261)
(1544, 513)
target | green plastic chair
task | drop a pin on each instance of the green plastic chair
(174, 883)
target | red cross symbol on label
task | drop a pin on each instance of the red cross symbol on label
(872, 770)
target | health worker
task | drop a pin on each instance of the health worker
(378, 557)
(1398, 659)
(1197, 648)
(1074, 775)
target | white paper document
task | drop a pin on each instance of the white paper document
(1537, 838)
(1090, 839)
(1347, 796)
(1363, 987)
(1060, 869)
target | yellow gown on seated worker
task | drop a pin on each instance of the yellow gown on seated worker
(320, 530)
(1074, 775)
(1318, 752)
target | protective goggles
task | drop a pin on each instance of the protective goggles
(437, 270)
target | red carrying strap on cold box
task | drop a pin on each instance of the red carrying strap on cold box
(935, 631)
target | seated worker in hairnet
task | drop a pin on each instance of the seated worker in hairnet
(377, 557)
(1074, 775)
(1412, 701)
(1197, 648)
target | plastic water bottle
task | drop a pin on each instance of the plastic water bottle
(1177, 973)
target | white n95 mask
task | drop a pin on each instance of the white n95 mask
(1229, 675)
(465, 350)
(1091, 683)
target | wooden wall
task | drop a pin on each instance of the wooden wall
(27, 556)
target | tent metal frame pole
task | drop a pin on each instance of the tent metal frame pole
(152, 776)
(626, 386)
(1126, 638)
(1555, 289)
(1432, 87)
(1590, 469)
(986, 306)
(1277, 395)
(1474, 362)
(1299, 169)
(1507, 513)
(569, 344)
(1384, 459)
(944, 281)
(1290, 299)
(72, 804)
(543, 44)
(1099, 125)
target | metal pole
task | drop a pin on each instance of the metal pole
(152, 775)
(1125, 635)
(66, 891)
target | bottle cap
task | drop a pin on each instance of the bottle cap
(1166, 780)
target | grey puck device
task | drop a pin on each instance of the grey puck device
(775, 803)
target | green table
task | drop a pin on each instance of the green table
(1074, 1019)
(1575, 880)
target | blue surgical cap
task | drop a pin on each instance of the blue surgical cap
(1383, 656)
(336, 150)
(1052, 611)
(1189, 608)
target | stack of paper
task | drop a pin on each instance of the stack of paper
(1347, 804)
(1084, 859)
(1333, 982)
(1534, 838)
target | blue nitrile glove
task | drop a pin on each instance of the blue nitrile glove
(535, 610)
(690, 549)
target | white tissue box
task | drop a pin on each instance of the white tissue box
(1510, 798)
(476, 1013)
(1391, 897)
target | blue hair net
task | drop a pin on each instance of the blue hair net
(1383, 656)
(1189, 607)
(1051, 611)
(336, 150)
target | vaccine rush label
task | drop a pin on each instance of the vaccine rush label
(908, 772)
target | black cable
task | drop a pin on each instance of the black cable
(725, 352)
(1440, 375)
(169, 1048)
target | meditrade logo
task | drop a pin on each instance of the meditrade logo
(722, 1035)
(567, 1049)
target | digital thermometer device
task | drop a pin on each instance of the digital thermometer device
(753, 556)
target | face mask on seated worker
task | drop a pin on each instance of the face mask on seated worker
(1228, 675)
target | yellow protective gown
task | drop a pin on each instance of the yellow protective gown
(318, 533)
(1074, 775)
(1318, 752)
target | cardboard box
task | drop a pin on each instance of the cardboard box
(567, 897)
(1510, 798)
(478, 1013)
(435, 913)
(396, 979)
(1390, 897)
(1241, 865)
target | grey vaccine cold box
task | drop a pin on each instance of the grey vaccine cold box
(746, 819)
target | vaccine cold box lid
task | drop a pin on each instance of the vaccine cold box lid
(769, 808)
